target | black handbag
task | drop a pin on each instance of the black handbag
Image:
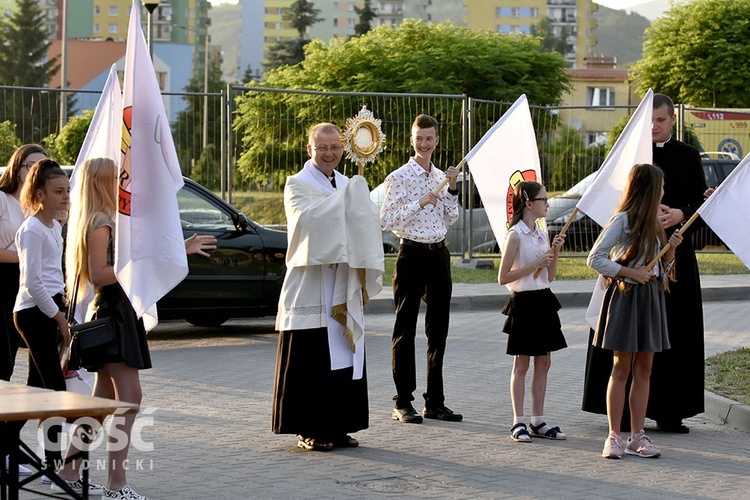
(92, 341)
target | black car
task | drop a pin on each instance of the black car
(242, 278)
(583, 231)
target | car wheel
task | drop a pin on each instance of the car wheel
(210, 321)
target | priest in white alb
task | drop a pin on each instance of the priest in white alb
(334, 264)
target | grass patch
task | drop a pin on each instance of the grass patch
(573, 267)
(728, 375)
(261, 206)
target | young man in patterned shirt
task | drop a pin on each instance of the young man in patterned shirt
(420, 218)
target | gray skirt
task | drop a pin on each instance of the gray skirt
(633, 318)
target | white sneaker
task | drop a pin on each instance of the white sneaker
(22, 471)
(77, 486)
(124, 493)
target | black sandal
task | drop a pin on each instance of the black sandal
(520, 434)
(345, 441)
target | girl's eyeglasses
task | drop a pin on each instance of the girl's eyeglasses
(538, 199)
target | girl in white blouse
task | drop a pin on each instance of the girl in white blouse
(11, 218)
(533, 325)
(37, 312)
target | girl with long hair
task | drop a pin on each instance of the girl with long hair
(11, 218)
(533, 325)
(89, 261)
(632, 320)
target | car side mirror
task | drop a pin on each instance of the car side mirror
(240, 221)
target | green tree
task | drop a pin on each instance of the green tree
(9, 141)
(550, 41)
(414, 57)
(24, 62)
(690, 137)
(188, 129)
(366, 14)
(300, 15)
(65, 146)
(697, 53)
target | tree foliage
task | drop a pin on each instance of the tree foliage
(300, 15)
(365, 14)
(65, 146)
(412, 58)
(9, 141)
(24, 62)
(188, 129)
(550, 41)
(697, 53)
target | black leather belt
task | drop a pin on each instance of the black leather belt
(427, 246)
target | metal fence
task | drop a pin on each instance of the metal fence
(242, 142)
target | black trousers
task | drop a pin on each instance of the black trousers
(9, 337)
(40, 334)
(420, 273)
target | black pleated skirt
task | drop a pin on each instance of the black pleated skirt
(308, 398)
(533, 325)
(111, 302)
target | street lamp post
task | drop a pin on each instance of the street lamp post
(151, 6)
(64, 65)
(205, 92)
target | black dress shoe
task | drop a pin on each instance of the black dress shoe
(442, 413)
(406, 415)
(674, 426)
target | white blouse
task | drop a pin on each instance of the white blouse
(534, 243)
(40, 250)
(11, 218)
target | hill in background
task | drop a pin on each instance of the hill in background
(620, 34)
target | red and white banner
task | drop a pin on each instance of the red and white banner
(150, 256)
(506, 155)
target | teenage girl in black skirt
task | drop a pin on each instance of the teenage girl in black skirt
(533, 325)
(632, 320)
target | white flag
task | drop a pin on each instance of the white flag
(506, 155)
(103, 136)
(102, 141)
(603, 195)
(632, 147)
(150, 256)
(725, 211)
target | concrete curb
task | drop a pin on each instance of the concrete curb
(727, 411)
(380, 305)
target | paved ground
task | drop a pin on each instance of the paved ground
(211, 391)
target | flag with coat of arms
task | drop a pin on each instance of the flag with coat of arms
(150, 256)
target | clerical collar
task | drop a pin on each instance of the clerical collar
(661, 144)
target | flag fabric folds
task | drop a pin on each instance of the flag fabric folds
(505, 156)
(603, 195)
(102, 141)
(632, 147)
(726, 212)
(150, 256)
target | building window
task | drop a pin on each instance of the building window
(600, 96)
(503, 28)
(596, 139)
(96, 10)
(113, 28)
(534, 12)
(515, 12)
(96, 27)
(350, 7)
(161, 76)
(114, 10)
(503, 12)
(352, 22)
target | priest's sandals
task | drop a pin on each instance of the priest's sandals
(313, 444)
(546, 432)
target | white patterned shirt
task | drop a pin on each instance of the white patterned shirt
(401, 212)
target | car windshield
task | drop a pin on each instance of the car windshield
(580, 188)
